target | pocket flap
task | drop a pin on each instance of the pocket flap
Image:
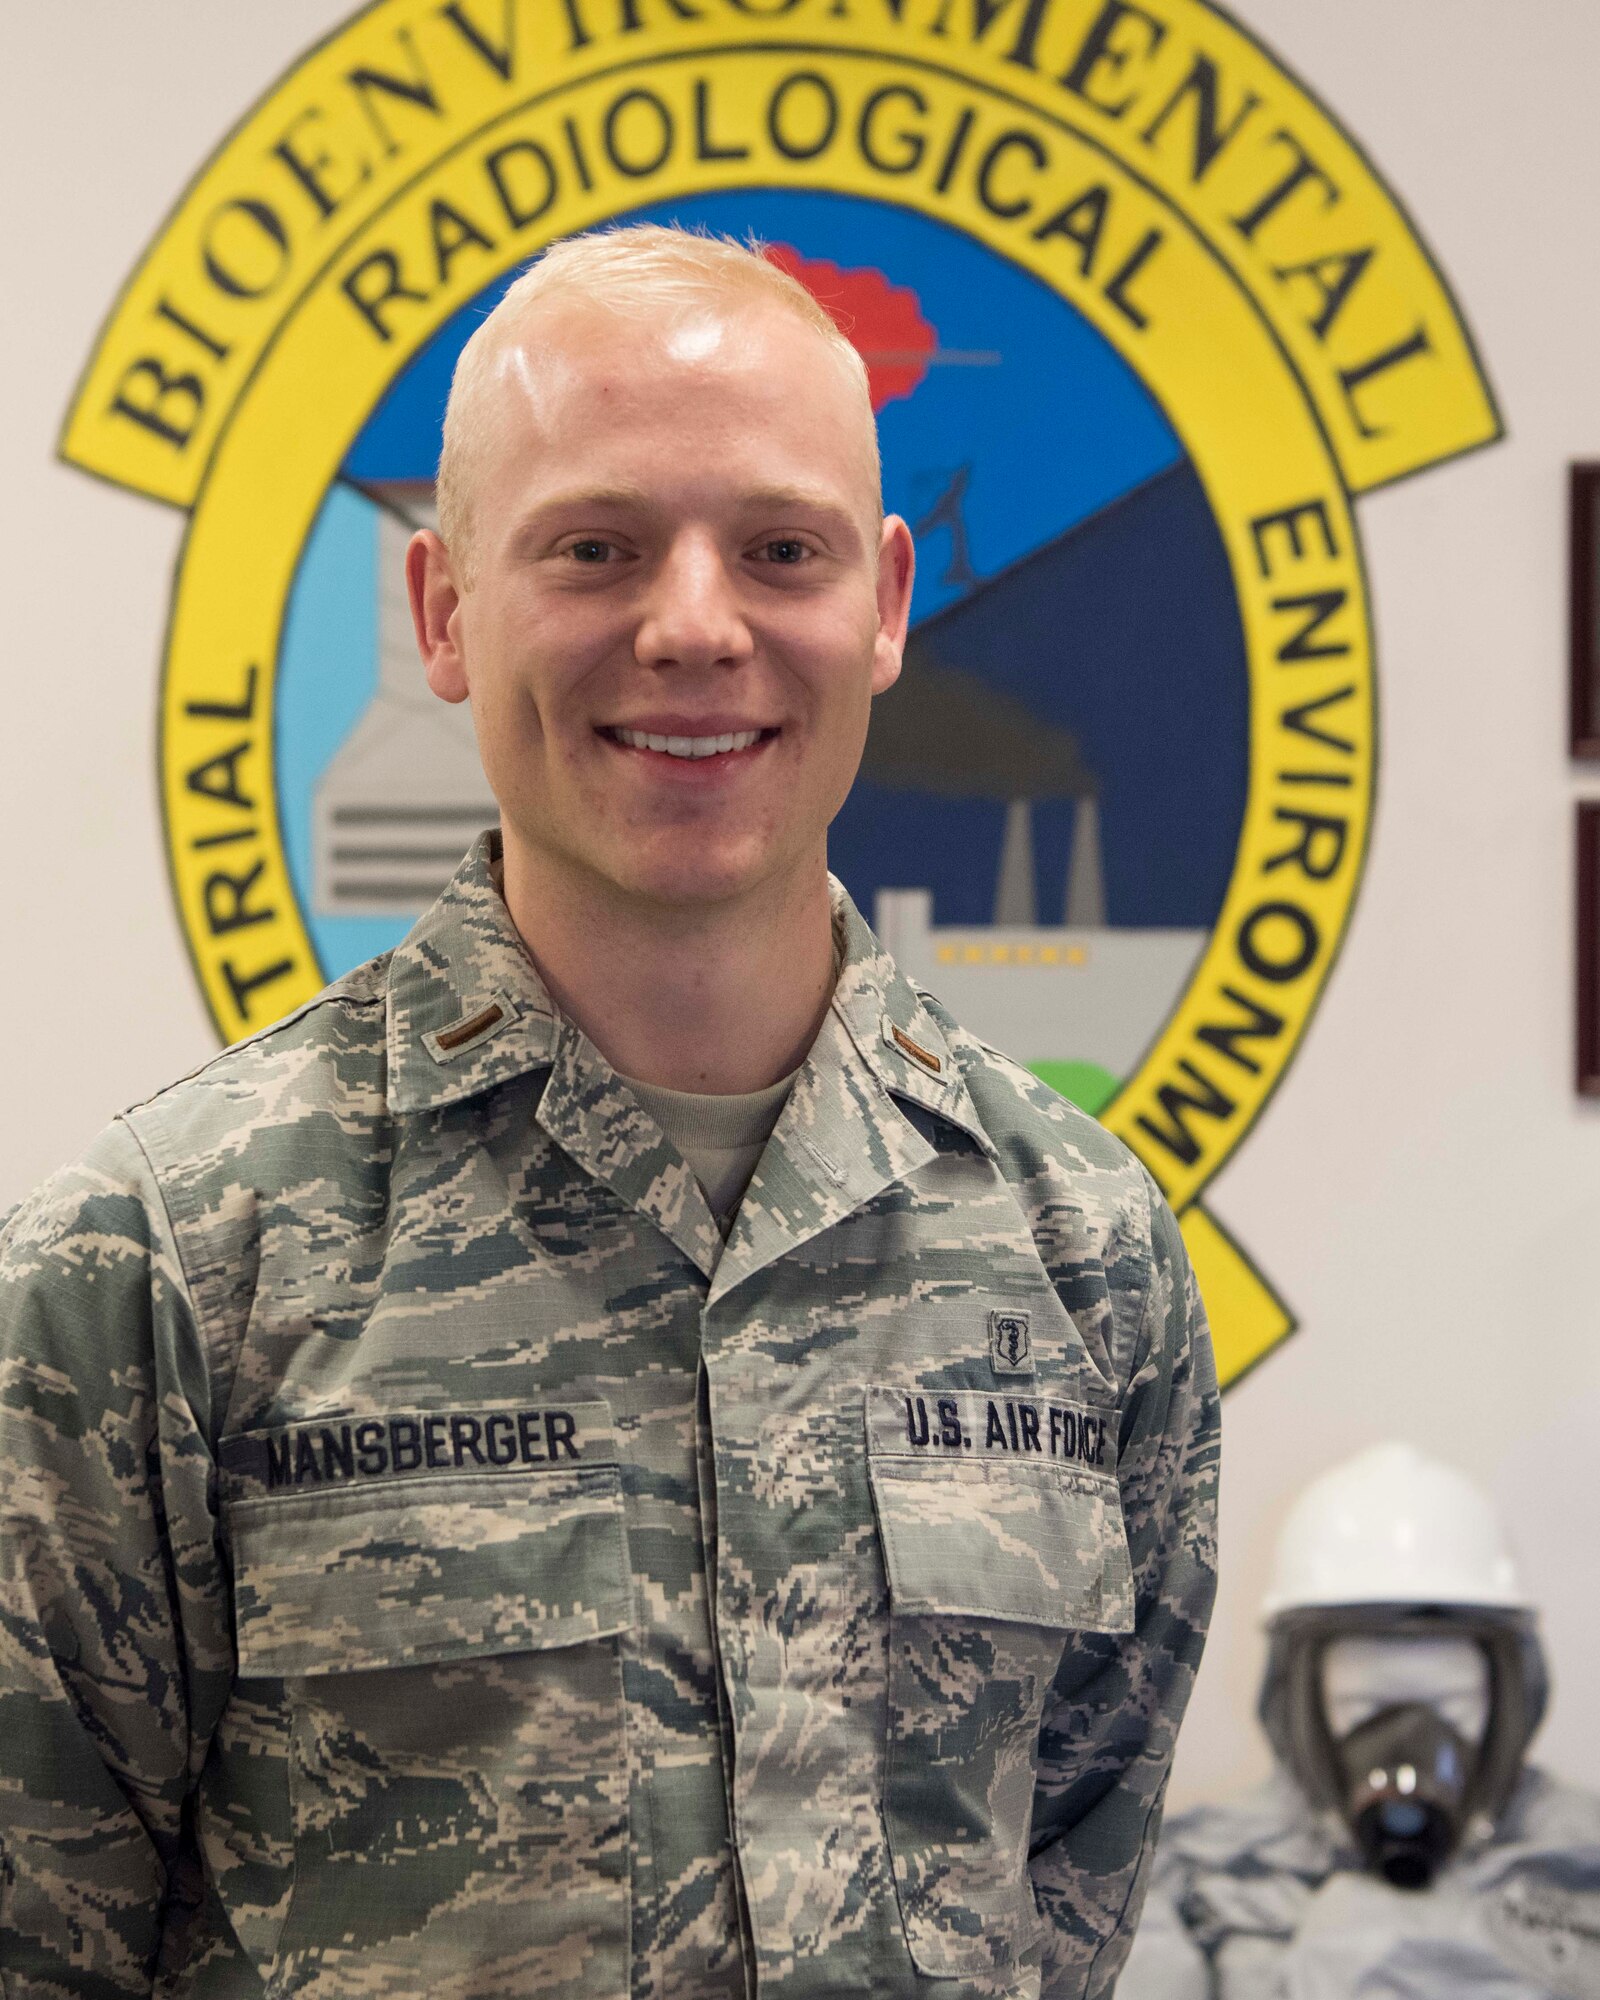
(1000, 1507)
(413, 1537)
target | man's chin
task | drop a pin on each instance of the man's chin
(704, 877)
(687, 875)
(692, 887)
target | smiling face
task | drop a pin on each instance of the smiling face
(681, 601)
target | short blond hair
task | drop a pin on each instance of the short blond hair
(643, 270)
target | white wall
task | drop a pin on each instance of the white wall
(1424, 1189)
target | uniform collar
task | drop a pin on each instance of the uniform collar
(467, 1009)
(894, 1032)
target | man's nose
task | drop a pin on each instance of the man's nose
(693, 617)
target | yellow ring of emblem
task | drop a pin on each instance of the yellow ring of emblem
(1280, 426)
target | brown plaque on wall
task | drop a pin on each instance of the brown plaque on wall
(1583, 596)
(1589, 948)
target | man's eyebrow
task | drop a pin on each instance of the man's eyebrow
(814, 506)
(767, 500)
(802, 499)
(584, 496)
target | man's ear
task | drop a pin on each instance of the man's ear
(897, 565)
(435, 595)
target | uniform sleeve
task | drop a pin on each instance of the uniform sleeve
(113, 1641)
(1165, 1963)
(1111, 1721)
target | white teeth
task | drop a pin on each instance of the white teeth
(689, 746)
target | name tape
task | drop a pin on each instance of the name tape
(349, 1451)
(922, 1424)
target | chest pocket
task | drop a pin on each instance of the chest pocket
(441, 1598)
(1002, 1534)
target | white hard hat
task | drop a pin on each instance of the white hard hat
(1392, 1527)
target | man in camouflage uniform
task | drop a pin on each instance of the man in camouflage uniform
(617, 1452)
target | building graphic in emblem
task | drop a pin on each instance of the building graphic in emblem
(1078, 999)
(404, 796)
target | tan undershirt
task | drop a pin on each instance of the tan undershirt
(722, 1136)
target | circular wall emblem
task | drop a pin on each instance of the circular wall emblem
(1140, 322)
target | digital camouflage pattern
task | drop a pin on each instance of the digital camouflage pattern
(435, 1563)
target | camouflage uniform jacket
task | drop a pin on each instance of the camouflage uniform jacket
(435, 1563)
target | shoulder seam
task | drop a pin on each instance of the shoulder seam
(202, 1336)
(965, 1033)
(261, 1035)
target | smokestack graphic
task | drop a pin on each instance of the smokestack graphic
(943, 731)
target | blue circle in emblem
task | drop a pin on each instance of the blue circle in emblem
(1046, 819)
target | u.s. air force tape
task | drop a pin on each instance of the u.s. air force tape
(967, 1423)
(346, 1451)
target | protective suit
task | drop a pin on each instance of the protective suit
(1402, 1849)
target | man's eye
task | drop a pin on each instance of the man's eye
(590, 550)
(786, 552)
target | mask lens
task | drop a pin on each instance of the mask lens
(1403, 1842)
(1405, 1783)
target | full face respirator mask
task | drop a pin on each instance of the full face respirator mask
(1412, 1780)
